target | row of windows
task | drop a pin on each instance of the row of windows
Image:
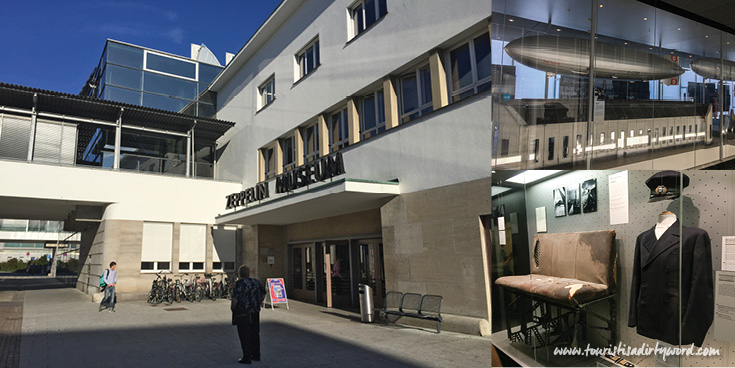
(469, 74)
(681, 133)
(186, 266)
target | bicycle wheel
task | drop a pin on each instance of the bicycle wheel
(177, 295)
(215, 294)
(152, 297)
(198, 293)
(169, 296)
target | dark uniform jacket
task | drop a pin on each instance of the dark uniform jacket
(655, 295)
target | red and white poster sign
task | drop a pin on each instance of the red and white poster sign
(277, 292)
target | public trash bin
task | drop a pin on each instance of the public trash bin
(366, 303)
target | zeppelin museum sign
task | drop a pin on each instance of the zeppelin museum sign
(315, 171)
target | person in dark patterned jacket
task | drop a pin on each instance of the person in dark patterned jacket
(247, 297)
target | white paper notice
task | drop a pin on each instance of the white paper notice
(618, 190)
(514, 223)
(724, 306)
(728, 253)
(540, 219)
(501, 237)
(501, 223)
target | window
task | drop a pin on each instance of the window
(310, 135)
(224, 244)
(308, 59)
(504, 147)
(602, 138)
(579, 144)
(267, 92)
(470, 67)
(339, 132)
(170, 65)
(289, 153)
(192, 246)
(535, 150)
(269, 162)
(551, 149)
(365, 13)
(416, 94)
(372, 114)
(655, 136)
(157, 246)
(565, 146)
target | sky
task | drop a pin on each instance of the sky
(56, 45)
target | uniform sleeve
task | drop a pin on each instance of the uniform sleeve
(700, 306)
(635, 286)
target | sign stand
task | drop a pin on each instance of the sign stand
(277, 292)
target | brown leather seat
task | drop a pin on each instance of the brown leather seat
(571, 268)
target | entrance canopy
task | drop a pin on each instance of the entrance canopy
(333, 199)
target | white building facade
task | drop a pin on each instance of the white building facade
(362, 136)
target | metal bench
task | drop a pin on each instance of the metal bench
(426, 307)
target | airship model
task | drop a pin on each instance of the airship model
(570, 56)
(710, 68)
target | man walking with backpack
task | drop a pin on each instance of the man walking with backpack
(109, 278)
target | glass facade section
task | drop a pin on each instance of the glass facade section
(170, 65)
(169, 86)
(162, 82)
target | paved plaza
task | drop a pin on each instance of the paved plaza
(48, 325)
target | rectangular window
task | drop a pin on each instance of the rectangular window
(339, 132)
(649, 136)
(365, 13)
(535, 150)
(267, 92)
(269, 162)
(470, 67)
(655, 136)
(308, 58)
(504, 147)
(565, 146)
(310, 135)
(170, 65)
(602, 138)
(225, 243)
(372, 114)
(157, 246)
(416, 94)
(551, 149)
(289, 153)
(193, 245)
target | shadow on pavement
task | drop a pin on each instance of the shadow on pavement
(191, 345)
(20, 283)
(351, 317)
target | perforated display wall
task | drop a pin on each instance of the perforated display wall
(708, 203)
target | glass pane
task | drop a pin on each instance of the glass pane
(309, 60)
(368, 113)
(310, 280)
(170, 86)
(317, 61)
(297, 262)
(170, 65)
(461, 67)
(163, 102)
(482, 56)
(124, 55)
(409, 94)
(381, 107)
(206, 110)
(207, 72)
(124, 77)
(122, 95)
(425, 75)
(370, 12)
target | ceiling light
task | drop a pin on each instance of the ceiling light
(645, 18)
(678, 29)
(706, 36)
(530, 176)
(510, 20)
(600, 5)
(626, 43)
(558, 29)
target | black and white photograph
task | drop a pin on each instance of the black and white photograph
(560, 202)
(573, 202)
(589, 196)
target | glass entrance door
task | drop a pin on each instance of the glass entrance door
(301, 269)
(340, 270)
(371, 267)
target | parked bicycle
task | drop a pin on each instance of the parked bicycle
(156, 295)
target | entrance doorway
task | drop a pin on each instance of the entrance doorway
(340, 269)
(301, 270)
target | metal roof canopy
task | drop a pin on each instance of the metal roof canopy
(133, 116)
